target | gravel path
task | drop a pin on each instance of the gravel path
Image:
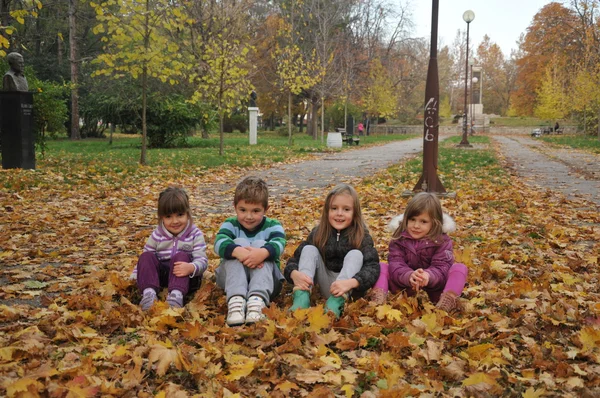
(574, 173)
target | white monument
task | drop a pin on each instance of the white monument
(253, 116)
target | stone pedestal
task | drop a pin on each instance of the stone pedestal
(253, 114)
(16, 126)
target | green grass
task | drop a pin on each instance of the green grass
(579, 141)
(125, 151)
(479, 162)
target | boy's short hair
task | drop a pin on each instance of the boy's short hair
(252, 190)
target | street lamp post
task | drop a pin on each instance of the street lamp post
(468, 17)
(429, 180)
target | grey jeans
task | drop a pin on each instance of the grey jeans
(238, 280)
(311, 263)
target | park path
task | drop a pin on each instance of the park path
(574, 173)
(328, 169)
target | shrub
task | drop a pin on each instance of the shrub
(237, 121)
(170, 121)
(284, 132)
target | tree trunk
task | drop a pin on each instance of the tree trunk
(322, 119)
(290, 140)
(73, 44)
(144, 83)
(221, 133)
(314, 120)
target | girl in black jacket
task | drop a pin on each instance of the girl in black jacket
(338, 254)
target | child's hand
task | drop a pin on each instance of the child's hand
(301, 280)
(181, 269)
(256, 257)
(339, 288)
(241, 253)
(419, 279)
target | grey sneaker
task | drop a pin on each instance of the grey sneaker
(236, 311)
(175, 299)
(254, 311)
(148, 300)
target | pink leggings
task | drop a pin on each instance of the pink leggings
(457, 277)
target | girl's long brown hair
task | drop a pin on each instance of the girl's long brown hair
(423, 202)
(356, 230)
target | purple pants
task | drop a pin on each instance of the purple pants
(457, 278)
(151, 272)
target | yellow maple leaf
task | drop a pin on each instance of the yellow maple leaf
(317, 319)
(386, 311)
(164, 357)
(286, 387)
(348, 390)
(24, 385)
(239, 366)
(533, 393)
(430, 321)
(589, 337)
(479, 377)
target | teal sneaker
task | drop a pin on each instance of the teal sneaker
(301, 299)
(335, 305)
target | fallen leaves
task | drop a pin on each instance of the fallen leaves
(70, 324)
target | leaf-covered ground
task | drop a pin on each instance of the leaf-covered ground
(70, 325)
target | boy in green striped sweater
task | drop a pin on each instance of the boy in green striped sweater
(250, 245)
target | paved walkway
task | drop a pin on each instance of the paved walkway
(328, 169)
(571, 172)
(574, 173)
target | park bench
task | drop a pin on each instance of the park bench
(348, 138)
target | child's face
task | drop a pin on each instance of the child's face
(175, 223)
(249, 215)
(341, 211)
(419, 226)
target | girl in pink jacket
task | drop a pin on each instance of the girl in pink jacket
(421, 257)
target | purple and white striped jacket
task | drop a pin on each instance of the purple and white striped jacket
(165, 245)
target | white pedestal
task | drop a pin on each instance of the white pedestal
(253, 114)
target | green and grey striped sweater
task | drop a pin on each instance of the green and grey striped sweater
(269, 230)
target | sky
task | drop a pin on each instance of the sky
(502, 20)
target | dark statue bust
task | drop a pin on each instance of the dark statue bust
(14, 79)
(253, 97)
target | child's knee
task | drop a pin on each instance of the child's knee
(354, 254)
(459, 267)
(384, 268)
(147, 258)
(309, 250)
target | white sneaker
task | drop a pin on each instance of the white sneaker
(255, 306)
(236, 310)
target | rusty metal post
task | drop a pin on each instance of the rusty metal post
(429, 180)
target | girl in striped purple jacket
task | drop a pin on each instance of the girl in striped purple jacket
(174, 255)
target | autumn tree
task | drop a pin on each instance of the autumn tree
(550, 97)
(136, 45)
(499, 77)
(297, 71)
(219, 44)
(548, 39)
(379, 99)
(13, 15)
